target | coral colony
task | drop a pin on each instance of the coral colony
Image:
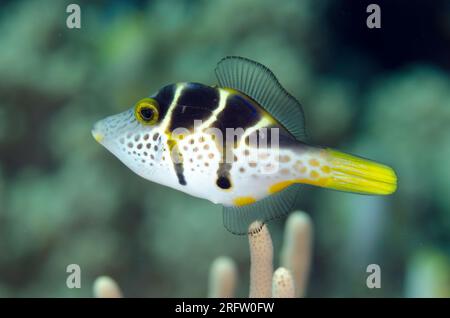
(288, 281)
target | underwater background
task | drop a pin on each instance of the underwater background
(382, 93)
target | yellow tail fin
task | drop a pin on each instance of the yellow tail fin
(354, 174)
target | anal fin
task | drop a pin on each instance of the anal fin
(237, 219)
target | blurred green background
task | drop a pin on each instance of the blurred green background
(382, 94)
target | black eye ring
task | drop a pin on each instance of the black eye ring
(147, 113)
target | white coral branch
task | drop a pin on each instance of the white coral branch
(261, 261)
(296, 251)
(222, 278)
(283, 284)
(106, 287)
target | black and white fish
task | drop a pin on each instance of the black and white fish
(240, 144)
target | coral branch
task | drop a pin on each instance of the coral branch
(296, 251)
(283, 284)
(222, 278)
(106, 287)
(261, 261)
(288, 281)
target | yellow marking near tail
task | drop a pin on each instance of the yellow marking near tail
(240, 201)
(277, 187)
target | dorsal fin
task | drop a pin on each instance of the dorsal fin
(258, 82)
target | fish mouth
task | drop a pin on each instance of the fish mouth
(97, 133)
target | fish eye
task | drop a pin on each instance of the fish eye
(147, 111)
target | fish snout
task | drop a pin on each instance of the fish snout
(98, 132)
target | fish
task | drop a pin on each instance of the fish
(241, 144)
